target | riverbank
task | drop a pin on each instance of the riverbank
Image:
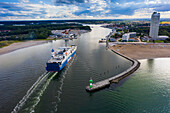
(9, 46)
(20, 45)
(143, 51)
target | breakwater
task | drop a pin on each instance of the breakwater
(105, 83)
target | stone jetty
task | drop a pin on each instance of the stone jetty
(115, 79)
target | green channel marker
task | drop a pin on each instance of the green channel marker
(91, 83)
(91, 86)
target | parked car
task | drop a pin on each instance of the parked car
(102, 40)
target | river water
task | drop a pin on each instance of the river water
(147, 90)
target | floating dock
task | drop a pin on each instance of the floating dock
(115, 79)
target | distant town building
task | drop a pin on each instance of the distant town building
(132, 34)
(154, 25)
(4, 31)
(114, 30)
(129, 36)
(147, 38)
(162, 37)
(125, 38)
(112, 39)
(18, 24)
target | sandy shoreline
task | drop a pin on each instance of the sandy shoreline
(142, 51)
(20, 45)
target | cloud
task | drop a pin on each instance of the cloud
(33, 11)
(62, 2)
(106, 8)
(162, 7)
(19, 9)
(79, 9)
(10, 6)
(25, 1)
(117, 8)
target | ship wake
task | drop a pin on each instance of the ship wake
(32, 97)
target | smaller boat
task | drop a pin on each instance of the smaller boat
(102, 40)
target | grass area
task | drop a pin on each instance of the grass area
(7, 43)
(159, 41)
(120, 40)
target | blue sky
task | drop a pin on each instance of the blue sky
(81, 9)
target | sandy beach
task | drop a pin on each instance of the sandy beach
(143, 51)
(20, 45)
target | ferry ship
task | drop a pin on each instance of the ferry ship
(61, 58)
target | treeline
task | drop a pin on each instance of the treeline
(163, 30)
(40, 31)
(144, 30)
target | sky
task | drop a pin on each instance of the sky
(81, 9)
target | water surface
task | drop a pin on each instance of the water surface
(147, 90)
(20, 69)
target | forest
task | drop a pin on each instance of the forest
(163, 30)
(29, 32)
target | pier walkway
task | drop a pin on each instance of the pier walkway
(115, 79)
